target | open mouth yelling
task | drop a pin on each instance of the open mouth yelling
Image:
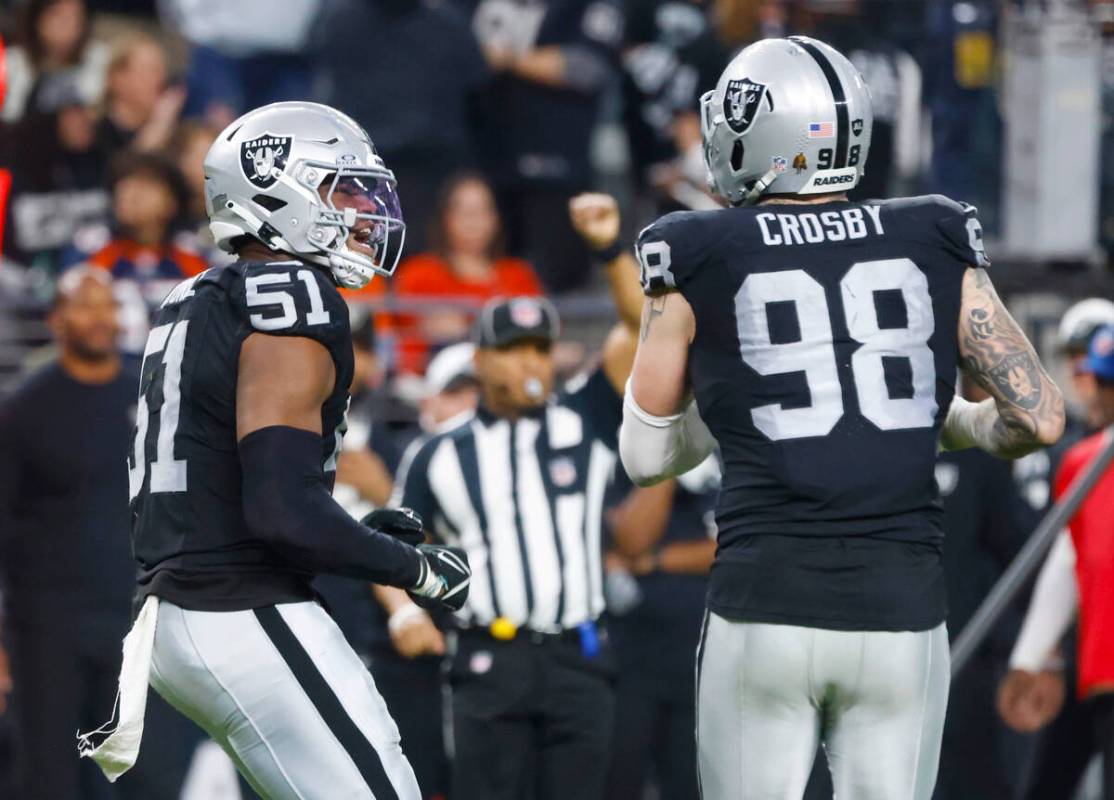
(364, 239)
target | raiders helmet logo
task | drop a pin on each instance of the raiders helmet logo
(261, 156)
(857, 126)
(741, 102)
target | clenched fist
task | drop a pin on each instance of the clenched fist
(595, 216)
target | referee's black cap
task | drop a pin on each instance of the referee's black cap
(504, 321)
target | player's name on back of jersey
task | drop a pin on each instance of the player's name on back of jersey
(808, 227)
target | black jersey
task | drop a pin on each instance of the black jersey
(189, 533)
(824, 362)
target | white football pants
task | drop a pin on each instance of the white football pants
(282, 691)
(766, 694)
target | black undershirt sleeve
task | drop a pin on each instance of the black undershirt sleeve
(287, 505)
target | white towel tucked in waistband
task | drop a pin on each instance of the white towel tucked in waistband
(116, 754)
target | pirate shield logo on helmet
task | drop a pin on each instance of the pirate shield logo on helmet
(741, 102)
(261, 156)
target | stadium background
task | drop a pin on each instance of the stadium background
(1007, 104)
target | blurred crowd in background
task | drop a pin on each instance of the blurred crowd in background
(492, 114)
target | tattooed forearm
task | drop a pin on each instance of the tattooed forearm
(995, 353)
(651, 310)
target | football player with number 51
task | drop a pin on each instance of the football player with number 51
(817, 341)
(242, 401)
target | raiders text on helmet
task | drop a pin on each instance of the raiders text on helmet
(784, 102)
(301, 178)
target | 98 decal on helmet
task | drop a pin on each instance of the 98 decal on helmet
(304, 179)
(788, 116)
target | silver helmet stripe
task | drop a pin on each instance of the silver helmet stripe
(842, 123)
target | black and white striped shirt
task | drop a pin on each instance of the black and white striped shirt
(524, 498)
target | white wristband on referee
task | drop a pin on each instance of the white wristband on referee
(404, 616)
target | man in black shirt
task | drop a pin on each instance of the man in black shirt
(67, 567)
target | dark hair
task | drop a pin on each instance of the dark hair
(363, 334)
(161, 168)
(438, 236)
(29, 33)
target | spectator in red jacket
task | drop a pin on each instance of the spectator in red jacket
(466, 265)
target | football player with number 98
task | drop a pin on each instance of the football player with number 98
(242, 401)
(817, 340)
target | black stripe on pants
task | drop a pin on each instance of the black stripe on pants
(326, 702)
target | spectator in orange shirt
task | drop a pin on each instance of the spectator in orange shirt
(465, 267)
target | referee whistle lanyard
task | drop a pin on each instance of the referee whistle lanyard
(117, 753)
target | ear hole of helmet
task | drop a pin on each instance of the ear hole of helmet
(272, 204)
(737, 155)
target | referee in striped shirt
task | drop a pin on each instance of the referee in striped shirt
(521, 486)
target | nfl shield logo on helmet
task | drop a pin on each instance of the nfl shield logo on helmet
(261, 156)
(741, 102)
(526, 313)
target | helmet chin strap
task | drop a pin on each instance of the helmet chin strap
(343, 262)
(760, 186)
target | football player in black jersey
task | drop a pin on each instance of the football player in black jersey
(816, 341)
(242, 404)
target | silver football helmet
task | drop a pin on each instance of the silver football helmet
(301, 178)
(791, 116)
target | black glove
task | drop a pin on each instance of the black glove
(444, 577)
(402, 523)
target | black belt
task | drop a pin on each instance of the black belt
(527, 635)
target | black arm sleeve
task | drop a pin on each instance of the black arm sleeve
(287, 505)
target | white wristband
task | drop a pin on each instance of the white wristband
(404, 616)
